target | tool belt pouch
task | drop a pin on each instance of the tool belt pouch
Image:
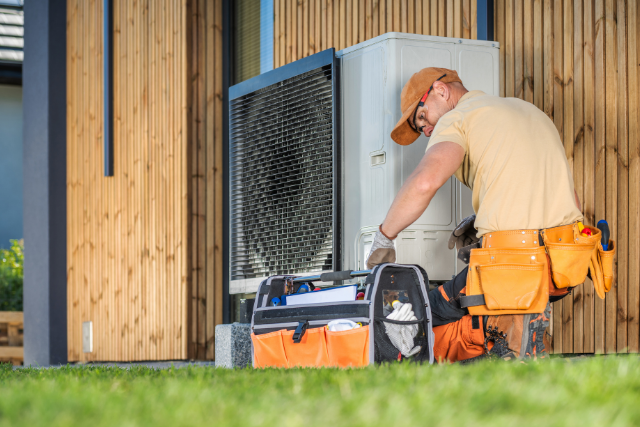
(570, 253)
(507, 281)
(601, 268)
(296, 335)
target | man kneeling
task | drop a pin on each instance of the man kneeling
(510, 155)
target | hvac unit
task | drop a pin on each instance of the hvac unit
(313, 169)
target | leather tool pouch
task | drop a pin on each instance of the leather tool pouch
(573, 255)
(601, 267)
(507, 281)
(606, 262)
(570, 254)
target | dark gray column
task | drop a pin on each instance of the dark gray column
(44, 172)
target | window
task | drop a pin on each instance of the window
(252, 38)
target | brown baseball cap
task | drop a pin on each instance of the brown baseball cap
(412, 92)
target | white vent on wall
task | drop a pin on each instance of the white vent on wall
(87, 337)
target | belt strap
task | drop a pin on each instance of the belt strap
(471, 301)
(475, 322)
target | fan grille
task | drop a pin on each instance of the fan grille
(281, 177)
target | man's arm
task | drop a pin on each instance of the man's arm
(437, 166)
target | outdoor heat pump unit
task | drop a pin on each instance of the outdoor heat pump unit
(313, 169)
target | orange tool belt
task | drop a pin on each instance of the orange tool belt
(515, 271)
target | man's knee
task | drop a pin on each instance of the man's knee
(445, 306)
(454, 286)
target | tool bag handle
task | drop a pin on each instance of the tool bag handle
(333, 276)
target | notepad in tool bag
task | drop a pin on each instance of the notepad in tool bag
(342, 293)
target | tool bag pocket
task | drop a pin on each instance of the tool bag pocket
(406, 284)
(386, 351)
(317, 347)
(311, 351)
(570, 254)
(507, 281)
(268, 350)
(348, 348)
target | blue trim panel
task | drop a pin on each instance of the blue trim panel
(108, 86)
(485, 20)
(266, 36)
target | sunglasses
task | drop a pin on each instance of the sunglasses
(421, 104)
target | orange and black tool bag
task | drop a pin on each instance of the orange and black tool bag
(296, 335)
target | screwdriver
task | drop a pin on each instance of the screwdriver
(603, 226)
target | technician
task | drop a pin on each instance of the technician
(510, 155)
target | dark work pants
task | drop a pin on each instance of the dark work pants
(443, 311)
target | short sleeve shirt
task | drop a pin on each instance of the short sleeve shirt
(514, 163)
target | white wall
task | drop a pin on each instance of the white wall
(10, 164)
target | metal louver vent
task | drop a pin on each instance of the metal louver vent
(283, 182)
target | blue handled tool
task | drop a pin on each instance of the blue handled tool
(303, 289)
(603, 226)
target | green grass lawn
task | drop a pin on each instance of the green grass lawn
(598, 391)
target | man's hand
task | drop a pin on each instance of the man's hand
(465, 234)
(382, 250)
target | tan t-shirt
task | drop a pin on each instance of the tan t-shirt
(514, 162)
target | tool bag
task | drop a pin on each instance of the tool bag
(296, 335)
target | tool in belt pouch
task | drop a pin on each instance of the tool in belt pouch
(511, 274)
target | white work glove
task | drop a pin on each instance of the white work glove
(382, 250)
(465, 234)
(401, 336)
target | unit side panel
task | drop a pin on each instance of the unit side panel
(366, 184)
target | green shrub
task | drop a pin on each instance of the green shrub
(11, 276)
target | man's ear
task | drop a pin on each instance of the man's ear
(441, 89)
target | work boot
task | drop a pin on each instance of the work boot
(517, 336)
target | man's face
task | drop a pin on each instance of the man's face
(434, 107)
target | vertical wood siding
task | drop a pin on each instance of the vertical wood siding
(305, 27)
(206, 175)
(581, 67)
(128, 235)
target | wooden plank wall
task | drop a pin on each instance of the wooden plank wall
(206, 176)
(304, 27)
(578, 62)
(128, 235)
(12, 337)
